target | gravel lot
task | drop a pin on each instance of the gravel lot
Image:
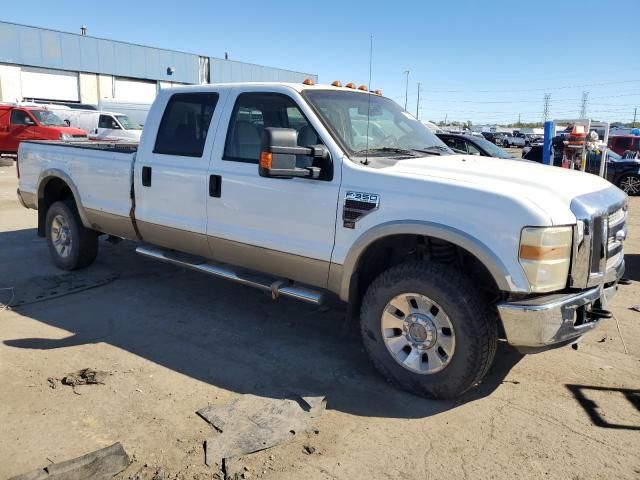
(175, 341)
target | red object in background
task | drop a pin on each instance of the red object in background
(622, 143)
(22, 123)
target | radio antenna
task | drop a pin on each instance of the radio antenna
(366, 155)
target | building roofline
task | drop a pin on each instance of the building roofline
(149, 46)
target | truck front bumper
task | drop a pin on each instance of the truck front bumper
(536, 324)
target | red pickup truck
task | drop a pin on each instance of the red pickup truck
(18, 123)
(622, 143)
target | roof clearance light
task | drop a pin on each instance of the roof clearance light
(363, 88)
(350, 85)
(378, 92)
(308, 81)
(336, 83)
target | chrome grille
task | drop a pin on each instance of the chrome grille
(599, 248)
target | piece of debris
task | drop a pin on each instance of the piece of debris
(309, 449)
(249, 423)
(99, 465)
(636, 308)
(602, 340)
(53, 382)
(86, 376)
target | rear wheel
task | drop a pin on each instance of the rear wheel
(428, 330)
(630, 184)
(71, 245)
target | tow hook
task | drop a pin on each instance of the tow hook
(597, 313)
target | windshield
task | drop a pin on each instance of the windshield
(490, 148)
(127, 124)
(390, 130)
(47, 118)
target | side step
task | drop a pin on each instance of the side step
(274, 287)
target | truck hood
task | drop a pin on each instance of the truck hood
(547, 187)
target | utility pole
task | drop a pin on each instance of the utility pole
(418, 102)
(445, 119)
(547, 101)
(518, 119)
(583, 107)
(635, 111)
(406, 89)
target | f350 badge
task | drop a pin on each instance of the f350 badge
(357, 205)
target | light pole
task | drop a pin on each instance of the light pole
(406, 89)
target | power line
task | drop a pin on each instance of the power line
(502, 90)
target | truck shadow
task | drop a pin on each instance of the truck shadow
(597, 412)
(632, 267)
(220, 333)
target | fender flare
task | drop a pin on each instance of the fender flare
(341, 275)
(48, 175)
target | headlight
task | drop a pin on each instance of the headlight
(545, 256)
(65, 137)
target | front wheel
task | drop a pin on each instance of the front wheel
(428, 330)
(630, 184)
(71, 245)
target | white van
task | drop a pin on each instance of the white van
(100, 125)
(137, 112)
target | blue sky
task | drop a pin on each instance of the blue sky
(485, 61)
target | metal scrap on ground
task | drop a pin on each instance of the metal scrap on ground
(99, 465)
(250, 423)
(86, 376)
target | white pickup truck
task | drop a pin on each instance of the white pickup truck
(301, 190)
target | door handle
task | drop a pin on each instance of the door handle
(215, 186)
(146, 176)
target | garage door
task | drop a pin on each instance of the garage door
(136, 91)
(48, 84)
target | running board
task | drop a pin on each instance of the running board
(274, 287)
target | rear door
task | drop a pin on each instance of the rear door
(171, 181)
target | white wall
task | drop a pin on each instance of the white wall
(89, 88)
(10, 83)
(105, 86)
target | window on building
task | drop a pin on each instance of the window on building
(185, 124)
(253, 113)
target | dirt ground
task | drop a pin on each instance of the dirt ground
(175, 341)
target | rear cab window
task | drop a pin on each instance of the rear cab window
(21, 117)
(185, 124)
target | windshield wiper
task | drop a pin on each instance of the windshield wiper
(402, 151)
(434, 149)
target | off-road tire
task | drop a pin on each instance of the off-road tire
(474, 321)
(84, 246)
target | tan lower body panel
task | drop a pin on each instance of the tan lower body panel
(111, 224)
(175, 239)
(281, 264)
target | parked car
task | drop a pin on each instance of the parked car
(100, 125)
(440, 254)
(494, 137)
(472, 145)
(622, 143)
(19, 123)
(623, 173)
(509, 140)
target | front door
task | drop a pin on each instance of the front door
(284, 227)
(171, 181)
(21, 128)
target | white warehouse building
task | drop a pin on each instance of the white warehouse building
(48, 65)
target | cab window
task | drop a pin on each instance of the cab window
(185, 124)
(252, 113)
(456, 144)
(107, 121)
(473, 150)
(20, 117)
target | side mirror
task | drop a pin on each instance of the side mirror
(68, 122)
(278, 150)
